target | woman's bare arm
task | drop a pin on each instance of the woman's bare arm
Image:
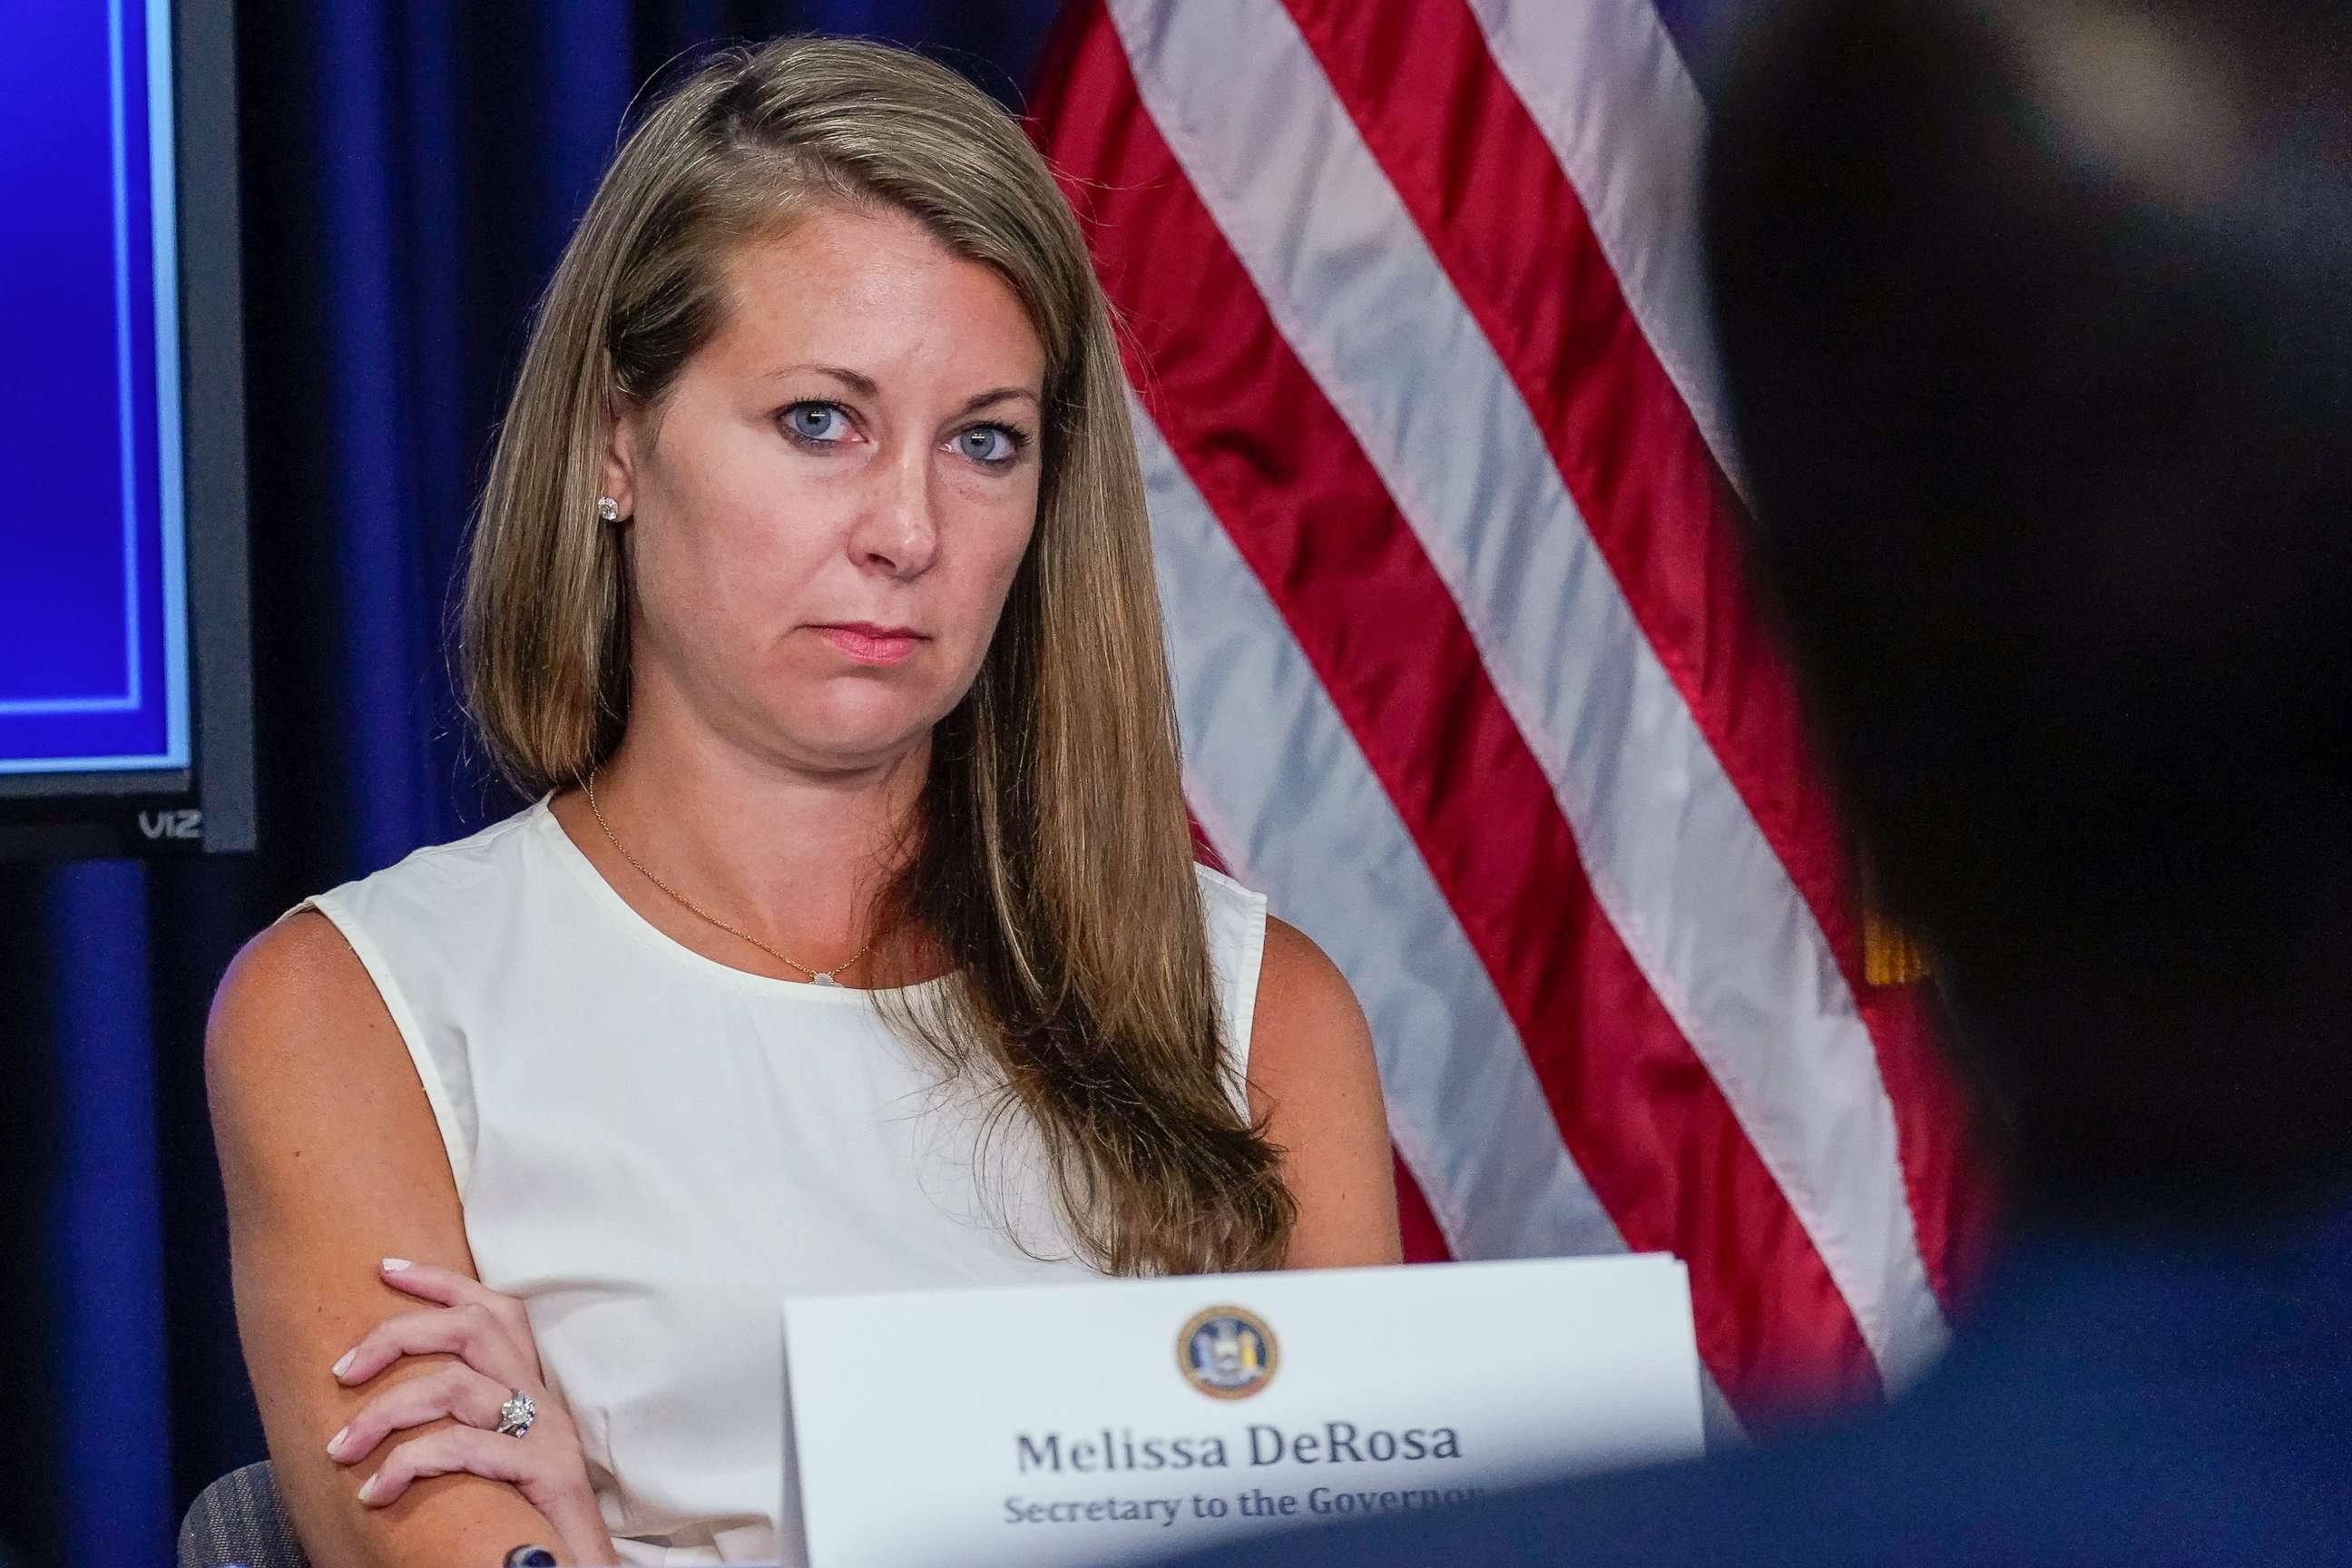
(1313, 1082)
(332, 1158)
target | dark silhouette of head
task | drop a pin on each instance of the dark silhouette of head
(2036, 319)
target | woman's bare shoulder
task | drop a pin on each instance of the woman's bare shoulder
(1305, 996)
(1314, 1086)
(302, 1050)
(297, 981)
(1308, 1037)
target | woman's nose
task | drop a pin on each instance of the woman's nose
(898, 531)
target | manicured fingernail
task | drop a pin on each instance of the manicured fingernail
(394, 1265)
(335, 1444)
(367, 1489)
(344, 1365)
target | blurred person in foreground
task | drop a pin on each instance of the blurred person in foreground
(2036, 317)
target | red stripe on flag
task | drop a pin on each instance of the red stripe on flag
(1637, 1108)
(1503, 220)
(1203, 849)
(1423, 1241)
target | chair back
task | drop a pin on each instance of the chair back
(238, 1518)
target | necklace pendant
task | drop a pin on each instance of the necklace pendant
(819, 977)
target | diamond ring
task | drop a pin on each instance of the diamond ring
(516, 1415)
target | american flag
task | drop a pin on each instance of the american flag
(1443, 505)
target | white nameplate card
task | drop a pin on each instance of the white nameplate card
(1086, 1423)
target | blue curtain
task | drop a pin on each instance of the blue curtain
(410, 170)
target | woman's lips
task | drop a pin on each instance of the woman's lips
(871, 644)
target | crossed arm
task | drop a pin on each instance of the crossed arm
(330, 1158)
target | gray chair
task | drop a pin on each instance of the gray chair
(238, 1518)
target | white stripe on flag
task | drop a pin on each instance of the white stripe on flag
(1683, 872)
(1605, 84)
(1286, 796)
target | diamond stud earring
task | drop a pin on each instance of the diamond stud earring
(608, 509)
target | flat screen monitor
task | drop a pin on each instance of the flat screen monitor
(125, 709)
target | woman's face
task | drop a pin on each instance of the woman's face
(829, 505)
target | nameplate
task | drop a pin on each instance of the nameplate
(1093, 1422)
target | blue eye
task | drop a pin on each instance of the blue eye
(818, 422)
(994, 445)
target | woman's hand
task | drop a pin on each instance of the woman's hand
(496, 1358)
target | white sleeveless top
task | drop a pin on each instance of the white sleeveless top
(653, 1150)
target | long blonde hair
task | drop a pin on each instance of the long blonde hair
(1051, 856)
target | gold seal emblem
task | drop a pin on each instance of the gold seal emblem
(1226, 1353)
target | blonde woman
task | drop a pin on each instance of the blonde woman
(855, 940)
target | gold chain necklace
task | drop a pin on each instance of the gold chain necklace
(816, 976)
